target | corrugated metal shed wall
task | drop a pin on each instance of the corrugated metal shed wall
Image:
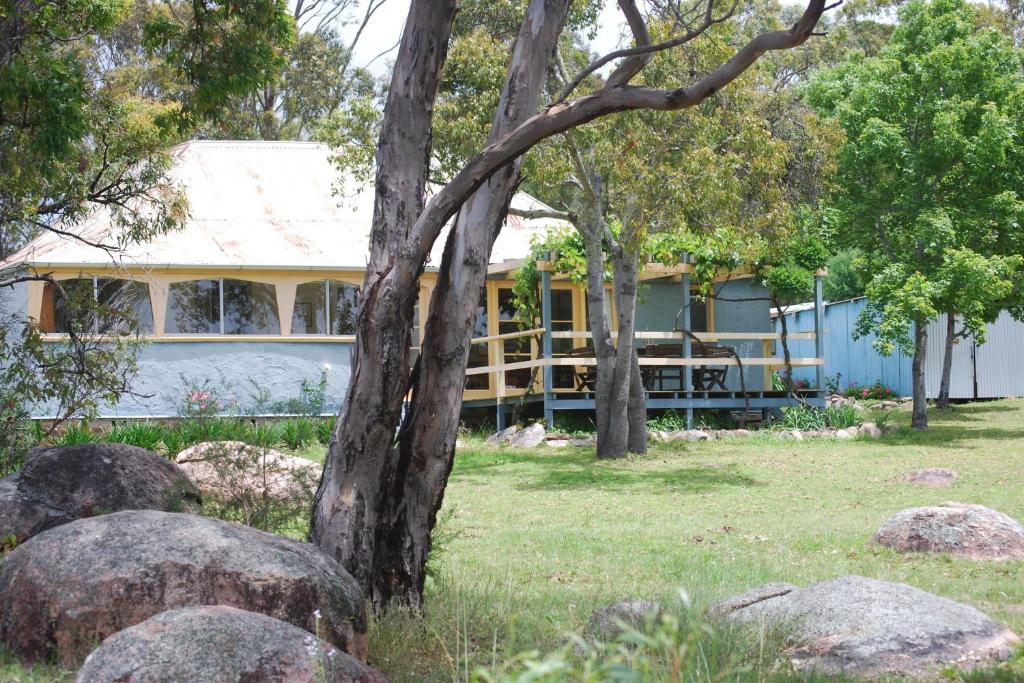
(1000, 360)
(855, 361)
(961, 376)
(998, 364)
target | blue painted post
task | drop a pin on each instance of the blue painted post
(545, 312)
(687, 346)
(819, 333)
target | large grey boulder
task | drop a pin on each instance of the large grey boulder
(59, 485)
(68, 588)
(972, 531)
(605, 623)
(857, 626)
(218, 644)
(529, 437)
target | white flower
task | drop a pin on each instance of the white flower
(316, 614)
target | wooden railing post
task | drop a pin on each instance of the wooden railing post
(819, 326)
(687, 347)
(546, 348)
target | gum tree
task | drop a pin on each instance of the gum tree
(385, 476)
(930, 177)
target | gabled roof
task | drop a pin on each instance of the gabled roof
(260, 205)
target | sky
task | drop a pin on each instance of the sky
(385, 29)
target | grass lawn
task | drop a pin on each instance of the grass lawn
(531, 542)
(534, 540)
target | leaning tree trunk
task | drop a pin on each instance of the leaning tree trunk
(637, 408)
(626, 269)
(920, 417)
(947, 362)
(356, 489)
(426, 443)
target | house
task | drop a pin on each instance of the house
(261, 285)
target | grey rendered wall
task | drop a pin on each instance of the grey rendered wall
(658, 304)
(168, 369)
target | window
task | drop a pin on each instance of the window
(193, 307)
(312, 315)
(250, 308)
(698, 314)
(563, 376)
(126, 300)
(516, 350)
(121, 302)
(478, 357)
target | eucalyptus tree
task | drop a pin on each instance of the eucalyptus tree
(385, 476)
(930, 176)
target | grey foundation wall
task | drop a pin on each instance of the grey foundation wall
(235, 371)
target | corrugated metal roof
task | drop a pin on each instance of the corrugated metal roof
(261, 204)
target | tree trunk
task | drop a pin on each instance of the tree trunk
(920, 418)
(355, 491)
(426, 443)
(947, 362)
(637, 408)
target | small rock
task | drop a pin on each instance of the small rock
(219, 643)
(503, 436)
(64, 590)
(860, 627)
(870, 429)
(60, 485)
(796, 434)
(843, 434)
(938, 477)
(557, 443)
(972, 531)
(585, 441)
(634, 613)
(695, 435)
(528, 438)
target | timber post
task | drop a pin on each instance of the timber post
(545, 312)
(819, 328)
(687, 346)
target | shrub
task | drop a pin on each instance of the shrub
(671, 649)
(74, 434)
(251, 486)
(875, 392)
(669, 421)
(146, 435)
(806, 418)
(298, 433)
(324, 430)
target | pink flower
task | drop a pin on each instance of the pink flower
(864, 393)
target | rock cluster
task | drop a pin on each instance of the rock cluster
(60, 485)
(856, 626)
(67, 588)
(605, 623)
(535, 435)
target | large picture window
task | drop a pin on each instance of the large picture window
(250, 308)
(222, 307)
(193, 307)
(96, 306)
(325, 307)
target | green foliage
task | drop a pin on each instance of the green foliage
(806, 418)
(296, 434)
(930, 175)
(874, 392)
(74, 434)
(843, 281)
(670, 648)
(148, 435)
